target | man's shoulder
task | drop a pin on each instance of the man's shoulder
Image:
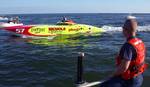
(127, 45)
(128, 51)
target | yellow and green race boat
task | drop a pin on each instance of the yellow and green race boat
(62, 28)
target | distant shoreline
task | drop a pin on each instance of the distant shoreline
(69, 13)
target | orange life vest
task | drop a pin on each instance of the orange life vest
(137, 65)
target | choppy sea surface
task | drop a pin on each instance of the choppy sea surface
(52, 63)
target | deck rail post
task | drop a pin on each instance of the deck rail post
(80, 69)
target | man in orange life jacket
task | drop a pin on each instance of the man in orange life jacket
(130, 60)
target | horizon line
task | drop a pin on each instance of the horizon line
(79, 13)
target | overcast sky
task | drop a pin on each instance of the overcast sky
(74, 6)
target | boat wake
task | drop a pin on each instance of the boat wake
(108, 28)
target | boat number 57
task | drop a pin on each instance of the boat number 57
(20, 30)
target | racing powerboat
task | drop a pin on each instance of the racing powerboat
(61, 28)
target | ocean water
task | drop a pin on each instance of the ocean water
(52, 63)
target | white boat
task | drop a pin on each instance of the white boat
(11, 24)
(3, 18)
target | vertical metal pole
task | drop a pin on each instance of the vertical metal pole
(80, 82)
(80, 69)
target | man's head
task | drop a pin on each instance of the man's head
(130, 27)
